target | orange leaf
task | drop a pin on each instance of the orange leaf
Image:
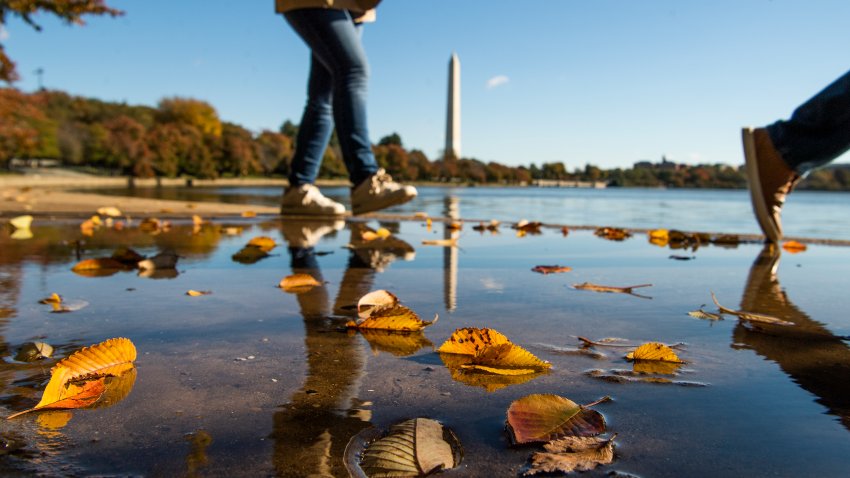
(794, 247)
(249, 214)
(262, 242)
(298, 283)
(197, 293)
(546, 417)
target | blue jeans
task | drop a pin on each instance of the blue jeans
(819, 129)
(336, 95)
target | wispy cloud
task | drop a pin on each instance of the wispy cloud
(497, 81)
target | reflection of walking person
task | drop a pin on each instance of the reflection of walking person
(336, 96)
(778, 155)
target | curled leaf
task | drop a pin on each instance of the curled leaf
(547, 417)
(612, 289)
(32, 351)
(572, 454)
(298, 283)
(54, 298)
(381, 310)
(412, 448)
(654, 351)
(197, 293)
(750, 316)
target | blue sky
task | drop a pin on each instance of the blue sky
(606, 82)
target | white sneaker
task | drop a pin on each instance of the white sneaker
(307, 200)
(379, 191)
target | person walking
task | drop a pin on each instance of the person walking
(336, 96)
(777, 156)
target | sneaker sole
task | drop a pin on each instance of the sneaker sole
(390, 202)
(303, 213)
(763, 216)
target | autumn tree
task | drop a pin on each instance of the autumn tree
(180, 149)
(275, 151)
(25, 130)
(126, 147)
(197, 113)
(71, 11)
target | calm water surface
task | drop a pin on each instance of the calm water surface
(253, 381)
(806, 214)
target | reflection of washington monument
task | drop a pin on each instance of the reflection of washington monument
(451, 206)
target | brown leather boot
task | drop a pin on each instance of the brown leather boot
(770, 180)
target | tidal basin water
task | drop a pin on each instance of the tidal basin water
(812, 214)
(253, 381)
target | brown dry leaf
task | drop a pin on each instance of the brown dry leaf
(471, 340)
(79, 380)
(654, 351)
(440, 242)
(750, 316)
(263, 243)
(613, 233)
(197, 293)
(572, 454)
(551, 269)
(547, 417)
(298, 283)
(612, 289)
(381, 310)
(249, 255)
(249, 214)
(794, 247)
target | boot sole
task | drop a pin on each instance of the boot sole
(377, 206)
(763, 216)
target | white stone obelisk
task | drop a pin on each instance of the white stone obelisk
(453, 116)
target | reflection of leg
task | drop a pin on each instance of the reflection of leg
(810, 354)
(312, 430)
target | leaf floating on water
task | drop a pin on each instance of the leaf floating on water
(440, 242)
(572, 454)
(701, 314)
(413, 448)
(248, 213)
(32, 351)
(53, 299)
(750, 316)
(381, 233)
(382, 310)
(396, 343)
(654, 351)
(109, 211)
(197, 293)
(127, 256)
(102, 264)
(506, 359)
(21, 222)
(298, 283)
(163, 260)
(79, 380)
(613, 233)
(546, 417)
(249, 255)
(263, 243)
(794, 247)
(612, 289)
(470, 340)
(551, 269)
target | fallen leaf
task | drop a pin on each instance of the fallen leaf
(150, 224)
(654, 351)
(78, 380)
(794, 247)
(32, 351)
(750, 316)
(163, 260)
(127, 256)
(53, 299)
(454, 226)
(551, 269)
(249, 255)
(99, 267)
(547, 417)
(249, 214)
(298, 283)
(506, 359)
(109, 211)
(613, 233)
(572, 454)
(701, 314)
(471, 340)
(440, 242)
(612, 289)
(396, 343)
(232, 230)
(412, 448)
(197, 293)
(370, 235)
(262, 242)
(382, 310)
(197, 220)
(21, 222)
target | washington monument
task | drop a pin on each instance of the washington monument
(453, 115)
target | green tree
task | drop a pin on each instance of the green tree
(393, 139)
(71, 11)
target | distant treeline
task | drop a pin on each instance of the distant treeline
(186, 137)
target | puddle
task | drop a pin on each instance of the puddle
(250, 380)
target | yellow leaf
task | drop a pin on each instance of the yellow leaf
(470, 340)
(381, 309)
(53, 299)
(68, 394)
(381, 233)
(249, 214)
(109, 211)
(654, 351)
(197, 220)
(499, 370)
(197, 293)
(298, 283)
(262, 242)
(21, 222)
(509, 358)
